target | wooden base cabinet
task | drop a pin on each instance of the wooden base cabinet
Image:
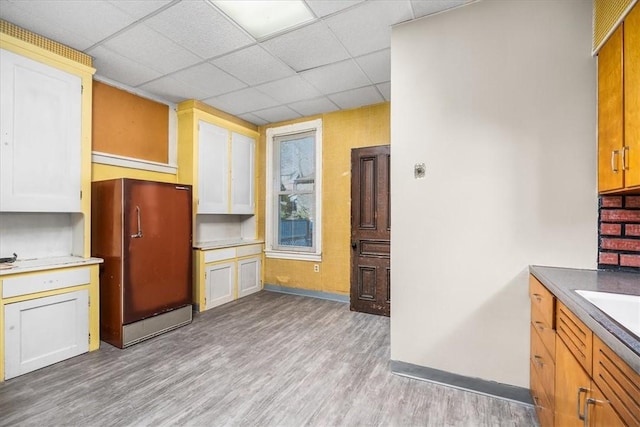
(220, 281)
(249, 276)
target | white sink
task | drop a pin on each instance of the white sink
(624, 309)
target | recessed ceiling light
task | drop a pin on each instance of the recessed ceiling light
(262, 18)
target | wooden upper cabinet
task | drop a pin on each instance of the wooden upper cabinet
(619, 107)
(610, 114)
(632, 97)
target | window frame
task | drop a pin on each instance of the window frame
(271, 232)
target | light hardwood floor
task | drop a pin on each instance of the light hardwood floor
(266, 360)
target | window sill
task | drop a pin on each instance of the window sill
(296, 256)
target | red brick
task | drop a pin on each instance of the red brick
(621, 244)
(619, 215)
(631, 230)
(632, 202)
(608, 258)
(630, 260)
(611, 201)
(611, 229)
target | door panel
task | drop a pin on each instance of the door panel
(370, 231)
(157, 238)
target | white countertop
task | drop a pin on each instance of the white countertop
(39, 264)
(226, 243)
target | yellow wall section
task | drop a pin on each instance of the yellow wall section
(342, 131)
(100, 172)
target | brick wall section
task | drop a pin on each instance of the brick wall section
(619, 233)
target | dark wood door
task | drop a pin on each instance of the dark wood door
(370, 231)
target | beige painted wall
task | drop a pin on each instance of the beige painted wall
(342, 131)
(499, 100)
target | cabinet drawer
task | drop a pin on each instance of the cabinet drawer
(544, 330)
(576, 335)
(16, 286)
(543, 364)
(219, 255)
(618, 382)
(544, 407)
(543, 301)
(249, 250)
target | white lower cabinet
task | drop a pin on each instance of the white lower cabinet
(248, 276)
(43, 331)
(220, 280)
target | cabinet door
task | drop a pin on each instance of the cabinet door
(213, 169)
(610, 111)
(43, 331)
(248, 276)
(632, 96)
(220, 281)
(572, 385)
(40, 149)
(242, 174)
(599, 411)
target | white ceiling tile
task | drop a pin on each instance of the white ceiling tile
(327, 7)
(199, 27)
(253, 65)
(170, 89)
(367, 28)
(288, 90)
(423, 8)
(242, 101)
(385, 90)
(277, 114)
(357, 97)
(138, 9)
(253, 119)
(377, 65)
(71, 22)
(124, 70)
(150, 48)
(337, 77)
(311, 107)
(307, 47)
(207, 81)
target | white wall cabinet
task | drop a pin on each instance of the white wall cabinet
(249, 276)
(226, 173)
(43, 331)
(40, 146)
(220, 281)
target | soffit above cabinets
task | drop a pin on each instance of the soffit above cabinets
(184, 49)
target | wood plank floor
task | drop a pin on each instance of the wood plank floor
(266, 360)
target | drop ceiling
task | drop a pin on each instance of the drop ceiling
(189, 49)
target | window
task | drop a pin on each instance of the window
(294, 163)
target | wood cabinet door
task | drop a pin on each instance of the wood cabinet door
(248, 276)
(572, 385)
(242, 174)
(42, 331)
(599, 411)
(40, 147)
(213, 169)
(632, 96)
(220, 281)
(610, 114)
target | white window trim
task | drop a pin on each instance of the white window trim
(270, 251)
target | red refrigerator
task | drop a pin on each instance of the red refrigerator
(142, 230)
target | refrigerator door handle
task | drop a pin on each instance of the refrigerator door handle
(139, 233)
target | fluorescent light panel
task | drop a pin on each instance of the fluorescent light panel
(261, 18)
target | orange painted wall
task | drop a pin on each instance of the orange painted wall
(342, 131)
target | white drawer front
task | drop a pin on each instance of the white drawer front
(249, 250)
(219, 255)
(13, 287)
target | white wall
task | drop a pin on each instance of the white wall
(498, 98)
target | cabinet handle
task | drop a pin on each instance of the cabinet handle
(539, 360)
(139, 233)
(537, 297)
(614, 163)
(587, 402)
(580, 391)
(540, 325)
(625, 167)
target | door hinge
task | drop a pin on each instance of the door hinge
(81, 88)
(89, 301)
(89, 338)
(80, 194)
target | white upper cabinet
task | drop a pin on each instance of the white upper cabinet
(213, 169)
(40, 131)
(242, 174)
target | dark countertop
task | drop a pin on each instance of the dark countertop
(562, 282)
